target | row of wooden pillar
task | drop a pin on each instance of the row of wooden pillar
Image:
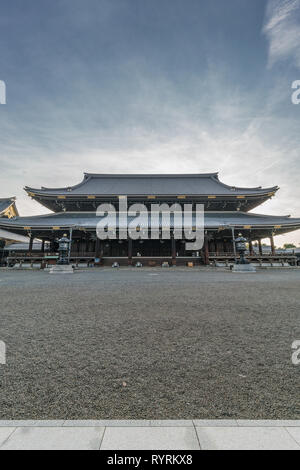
(273, 251)
(173, 247)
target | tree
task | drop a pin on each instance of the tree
(289, 245)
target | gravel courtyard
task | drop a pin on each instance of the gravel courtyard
(153, 343)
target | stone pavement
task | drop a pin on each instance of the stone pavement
(152, 435)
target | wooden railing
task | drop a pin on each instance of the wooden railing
(255, 255)
(88, 258)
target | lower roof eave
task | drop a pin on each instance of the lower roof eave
(214, 220)
(11, 236)
(267, 230)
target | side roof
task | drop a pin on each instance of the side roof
(150, 184)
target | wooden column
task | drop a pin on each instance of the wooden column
(173, 246)
(71, 243)
(97, 248)
(87, 241)
(260, 247)
(31, 243)
(43, 246)
(251, 248)
(206, 252)
(272, 245)
(52, 243)
(129, 251)
(233, 243)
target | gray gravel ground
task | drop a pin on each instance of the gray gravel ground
(152, 343)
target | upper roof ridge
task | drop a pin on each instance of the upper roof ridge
(150, 175)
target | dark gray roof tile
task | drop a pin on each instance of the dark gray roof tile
(133, 184)
(89, 220)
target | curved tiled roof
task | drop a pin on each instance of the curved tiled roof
(150, 184)
(88, 220)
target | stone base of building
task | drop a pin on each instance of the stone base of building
(244, 268)
(62, 269)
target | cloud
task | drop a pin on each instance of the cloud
(110, 97)
(282, 28)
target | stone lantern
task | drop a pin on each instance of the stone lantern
(242, 265)
(63, 249)
(240, 244)
(63, 265)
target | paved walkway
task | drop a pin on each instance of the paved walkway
(153, 435)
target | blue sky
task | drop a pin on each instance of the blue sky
(150, 86)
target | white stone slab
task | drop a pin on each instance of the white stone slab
(171, 422)
(153, 438)
(243, 268)
(245, 438)
(295, 433)
(62, 269)
(52, 438)
(5, 433)
(268, 422)
(107, 422)
(215, 422)
(31, 422)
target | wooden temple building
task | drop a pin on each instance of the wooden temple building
(227, 213)
(8, 209)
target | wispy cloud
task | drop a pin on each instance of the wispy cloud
(282, 28)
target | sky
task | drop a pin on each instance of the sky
(151, 86)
